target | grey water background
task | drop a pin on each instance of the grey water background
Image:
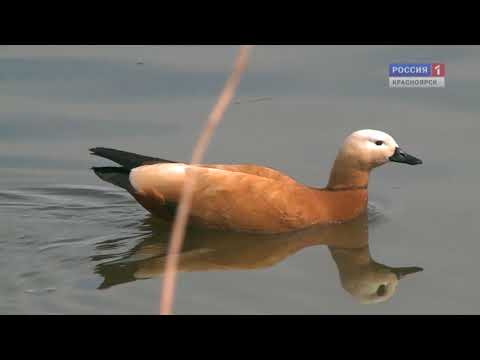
(58, 221)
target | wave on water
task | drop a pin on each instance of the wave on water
(71, 216)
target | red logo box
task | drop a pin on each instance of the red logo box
(438, 70)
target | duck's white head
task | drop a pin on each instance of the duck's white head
(368, 149)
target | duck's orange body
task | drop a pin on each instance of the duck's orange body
(243, 197)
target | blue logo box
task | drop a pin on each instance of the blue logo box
(409, 70)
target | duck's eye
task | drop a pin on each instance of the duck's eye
(382, 289)
(379, 142)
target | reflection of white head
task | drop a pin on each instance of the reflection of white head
(369, 285)
(366, 280)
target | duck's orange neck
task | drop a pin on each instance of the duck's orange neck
(345, 176)
(346, 195)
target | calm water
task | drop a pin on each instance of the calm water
(72, 244)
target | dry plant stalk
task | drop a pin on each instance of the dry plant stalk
(181, 217)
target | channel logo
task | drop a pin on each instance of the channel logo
(408, 75)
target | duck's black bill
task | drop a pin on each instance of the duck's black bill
(402, 157)
(401, 272)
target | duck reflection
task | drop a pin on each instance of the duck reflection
(205, 250)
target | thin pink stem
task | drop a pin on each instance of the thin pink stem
(185, 204)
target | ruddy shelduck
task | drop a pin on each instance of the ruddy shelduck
(253, 198)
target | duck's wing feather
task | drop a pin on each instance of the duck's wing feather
(252, 169)
(129, 160)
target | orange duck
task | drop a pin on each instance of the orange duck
(253, 198)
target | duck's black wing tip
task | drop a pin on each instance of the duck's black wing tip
(126, 159)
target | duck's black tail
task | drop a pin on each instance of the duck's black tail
(119, 176)
(115, 175)
(126, 159)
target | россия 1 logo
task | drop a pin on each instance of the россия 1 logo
(405, 75)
